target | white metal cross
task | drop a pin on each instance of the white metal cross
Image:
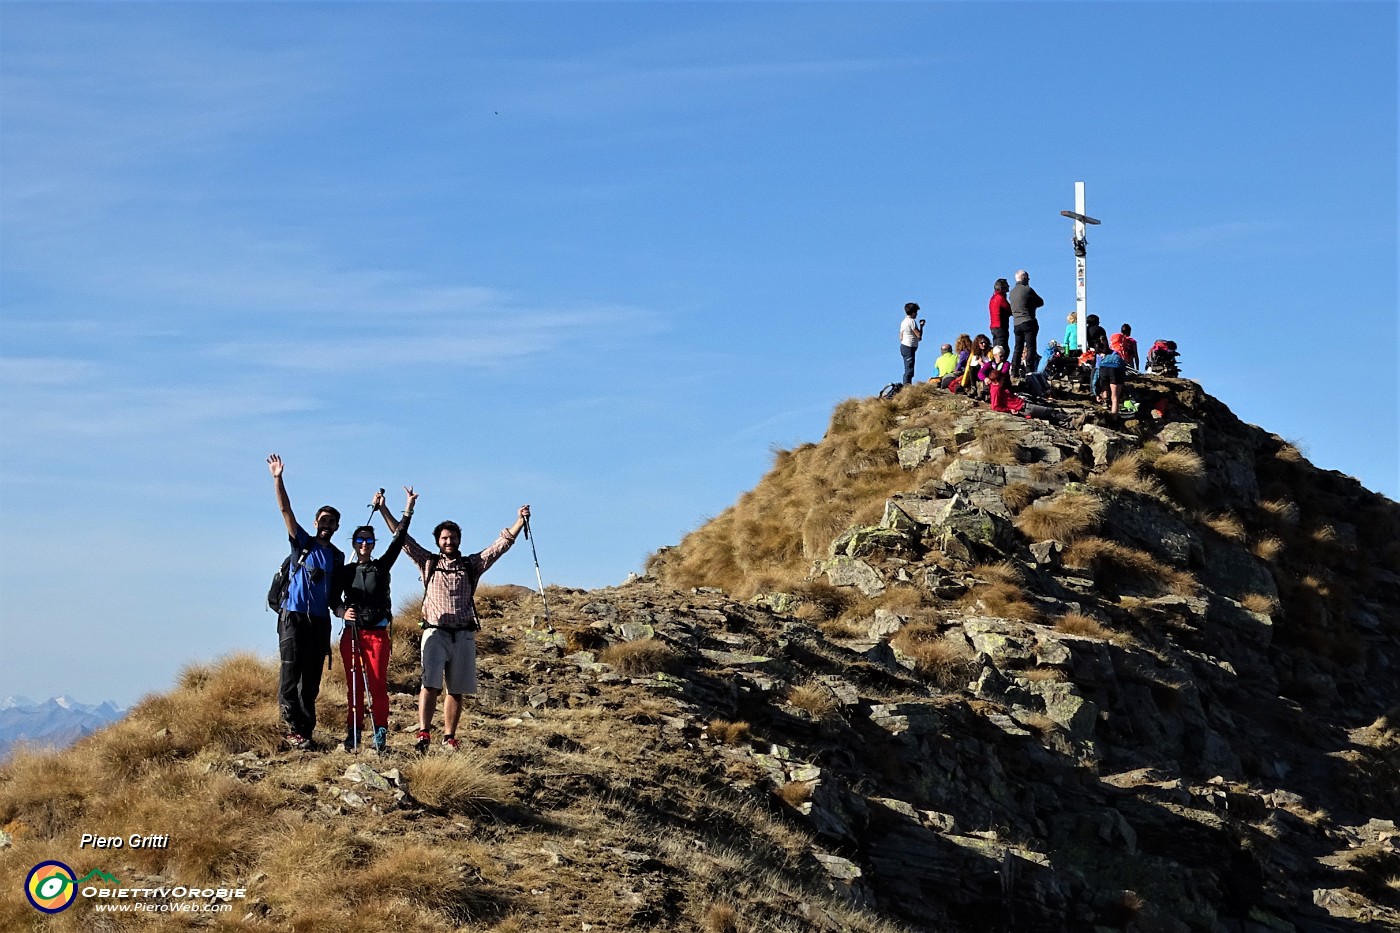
(1081, 300)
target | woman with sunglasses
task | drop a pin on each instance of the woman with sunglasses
(364, 641)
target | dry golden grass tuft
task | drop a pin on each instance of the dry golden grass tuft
(583, 638)
(997, 443)
(1260, 603)
(1063, 518)
(1077, 623)
(1118, 563)
(795, 793)
(815, 700)
(847, 628)
(720, 918)
(1042, 675)
(1281, 513)
(1018, 495)
(1182, 471)
(1005, 600)
(226, 706)
(639, 658)
(1323, 536)
(1128, 474)
(1002, 571)
(728, 732)
(821, 600)
(945, 659)
(1225, 525)
(1066, 471)
(461, 782)
(46, 791)
(1267, 548)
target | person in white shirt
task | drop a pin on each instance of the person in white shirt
(910, 333)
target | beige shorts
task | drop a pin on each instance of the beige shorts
(449, 655)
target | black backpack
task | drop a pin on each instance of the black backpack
(1036, 385)
(891, 390)
(277, 592)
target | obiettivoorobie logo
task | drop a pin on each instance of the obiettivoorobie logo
(51, 887)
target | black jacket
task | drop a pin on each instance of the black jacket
(1024, 301)
(365, 584)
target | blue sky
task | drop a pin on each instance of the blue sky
(604, 258)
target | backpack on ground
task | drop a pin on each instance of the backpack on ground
(891, 390)
(1036, 385)
(1161, 359)
(282, 580)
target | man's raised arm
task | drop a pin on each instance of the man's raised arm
(274, 464)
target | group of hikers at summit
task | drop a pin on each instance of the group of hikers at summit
(983, 367)
(319, 582)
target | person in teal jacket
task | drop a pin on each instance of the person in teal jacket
(1071, 341)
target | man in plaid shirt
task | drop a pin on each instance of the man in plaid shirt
(449, 619)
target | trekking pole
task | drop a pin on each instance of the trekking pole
(538, 579)
(356, 671)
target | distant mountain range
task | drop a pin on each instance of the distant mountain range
(54, 723)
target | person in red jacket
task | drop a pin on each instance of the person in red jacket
(999, 309)
(999, 390)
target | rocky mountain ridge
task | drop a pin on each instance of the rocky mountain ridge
(945, 670)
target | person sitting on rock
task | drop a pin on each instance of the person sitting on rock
(1003, 400)
(963, 348)
(981, 353)
(946, 364)
(998, 363)
(999, 392)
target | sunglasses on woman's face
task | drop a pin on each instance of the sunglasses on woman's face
(364, 540)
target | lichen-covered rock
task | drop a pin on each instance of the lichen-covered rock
(1105, 445)
(885, 624)
(1067, 706)
(1176, 435)
(1007, 645)
(850, 571)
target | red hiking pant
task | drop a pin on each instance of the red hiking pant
(372, 671)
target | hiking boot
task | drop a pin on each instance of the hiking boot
(424, 737)
(352, 740)
(381, 738)
(296, 740)
(450, 743)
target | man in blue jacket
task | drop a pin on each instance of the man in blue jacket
(304, 620)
